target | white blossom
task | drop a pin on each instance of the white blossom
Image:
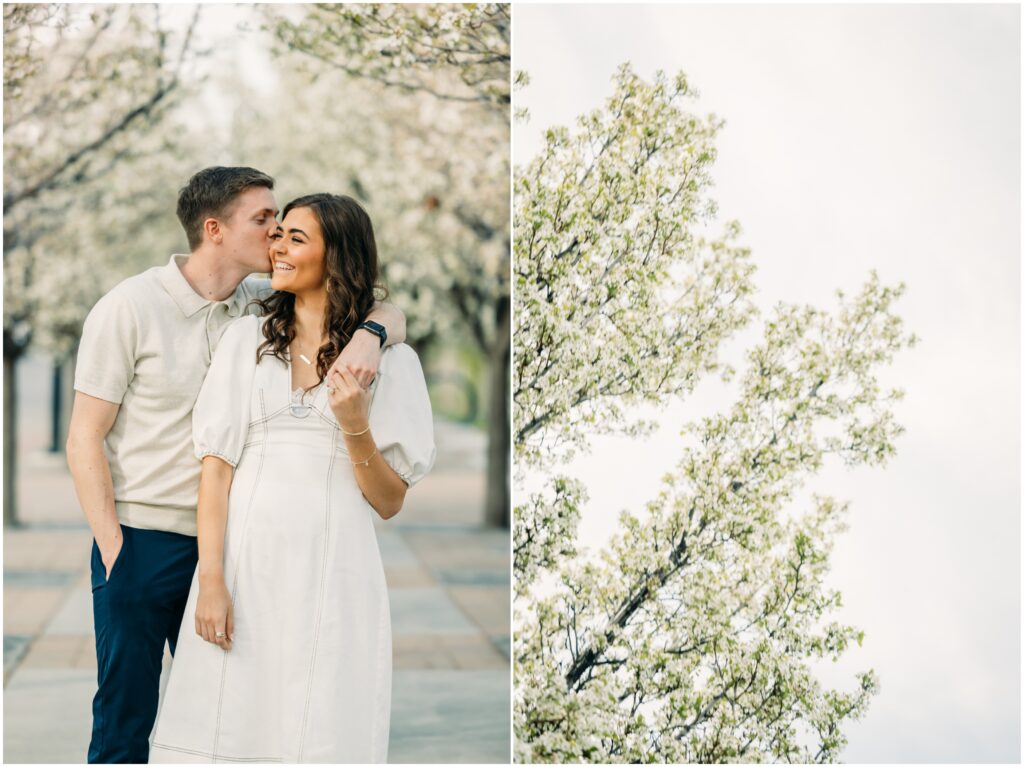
(688, 638)
(408, 46)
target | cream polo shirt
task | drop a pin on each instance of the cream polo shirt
(147, 345)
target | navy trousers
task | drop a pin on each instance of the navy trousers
(135, 612)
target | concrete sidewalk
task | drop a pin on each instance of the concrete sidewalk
(448, 579)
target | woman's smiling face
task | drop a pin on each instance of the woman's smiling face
(297, 253)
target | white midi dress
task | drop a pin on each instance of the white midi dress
(308, 677)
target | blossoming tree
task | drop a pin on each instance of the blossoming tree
(689, 638)
(87, 91)
(407, 46)
(433, 157)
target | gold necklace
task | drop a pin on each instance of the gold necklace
(301, 356)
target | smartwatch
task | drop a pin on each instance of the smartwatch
(377, 329)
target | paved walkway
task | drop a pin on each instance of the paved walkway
(448, 578)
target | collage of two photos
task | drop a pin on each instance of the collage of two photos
(511, 383)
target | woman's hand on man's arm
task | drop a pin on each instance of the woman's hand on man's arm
(362, 354)
(383, 489)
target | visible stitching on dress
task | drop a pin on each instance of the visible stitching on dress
(320, 600)
(266, 417)
(234, 580)
(327, 419)
(232, 463)
(218, 756)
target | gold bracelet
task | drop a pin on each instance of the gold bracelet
(355, 433)
(366, 462)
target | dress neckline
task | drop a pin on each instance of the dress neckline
(299, 393)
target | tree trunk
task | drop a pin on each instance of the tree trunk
(63, 400)
(56, 390)
(499, 499)
(10, 434)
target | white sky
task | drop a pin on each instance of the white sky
(243, 51)
(861, 137)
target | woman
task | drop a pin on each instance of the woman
(290, 660)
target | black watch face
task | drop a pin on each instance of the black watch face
(377, 328)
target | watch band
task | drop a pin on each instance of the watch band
(377, 329)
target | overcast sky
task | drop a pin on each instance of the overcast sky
(861, 137)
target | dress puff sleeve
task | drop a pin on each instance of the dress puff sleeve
(220, 419)
(400, 416)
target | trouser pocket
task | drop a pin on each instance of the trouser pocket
(98, 570)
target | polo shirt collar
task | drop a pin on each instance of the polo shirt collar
(185, 297)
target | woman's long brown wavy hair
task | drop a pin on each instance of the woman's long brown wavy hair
(352, 277)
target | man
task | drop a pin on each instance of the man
(145, 350)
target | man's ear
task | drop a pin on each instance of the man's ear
(211, 227)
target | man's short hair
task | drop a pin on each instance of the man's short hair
(210, 194)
